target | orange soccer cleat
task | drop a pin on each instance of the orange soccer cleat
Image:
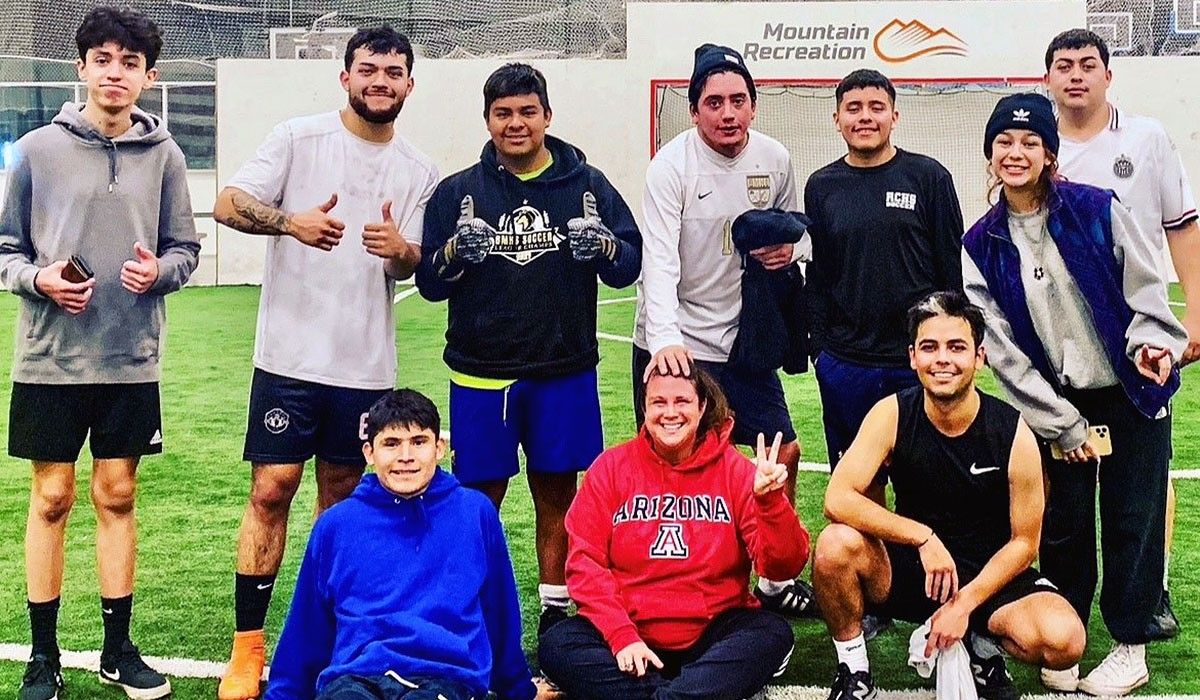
(242, 676)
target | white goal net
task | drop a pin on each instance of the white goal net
(943, 119)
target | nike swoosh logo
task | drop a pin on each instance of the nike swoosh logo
(976, 470)
(106, 611)
(114, 674)
(705, 194)
(862, 691)
(264, 586)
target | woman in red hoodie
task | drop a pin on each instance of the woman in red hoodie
(662, 537)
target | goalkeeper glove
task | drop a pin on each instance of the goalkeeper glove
(588, 236)
(471, 242)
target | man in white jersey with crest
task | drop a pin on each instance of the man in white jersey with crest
(343, 197)
(689, 297)
(1133, 156)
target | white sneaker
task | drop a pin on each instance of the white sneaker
(1064, 681)
(1119, 673)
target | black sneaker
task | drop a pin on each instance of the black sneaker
(992, 681)
(551, 616)
(43, 679)
(1164, 624)
(874, 625)
(797, 600)
(852, 686)
(127, 670)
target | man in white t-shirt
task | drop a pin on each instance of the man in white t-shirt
(342, 197)
(1133, 156)
(690, 294)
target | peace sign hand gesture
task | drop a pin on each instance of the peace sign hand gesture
(769, 474)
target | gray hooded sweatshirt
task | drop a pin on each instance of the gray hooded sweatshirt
(74, 191)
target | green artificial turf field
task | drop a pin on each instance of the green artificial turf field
(190, 502)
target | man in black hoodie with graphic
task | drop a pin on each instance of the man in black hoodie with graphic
(516, 242)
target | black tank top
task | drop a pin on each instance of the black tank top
(956, 485)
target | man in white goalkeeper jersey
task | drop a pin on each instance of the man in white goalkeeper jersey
(689, 297)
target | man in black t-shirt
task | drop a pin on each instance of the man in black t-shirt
(886, 233)
(969, 498)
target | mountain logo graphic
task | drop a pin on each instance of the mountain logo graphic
(900, 41)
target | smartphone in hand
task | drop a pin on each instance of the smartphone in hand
(77, 270)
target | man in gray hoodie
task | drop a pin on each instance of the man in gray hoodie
(96, 228)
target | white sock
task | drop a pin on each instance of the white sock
(553, 595)
(773, 587)
(1166, 570)
(853, 653)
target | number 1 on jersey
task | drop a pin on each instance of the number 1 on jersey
(727, 238)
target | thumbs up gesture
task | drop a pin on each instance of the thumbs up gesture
(769, 474)
(316, 227)
(140, 273)
(383, 239)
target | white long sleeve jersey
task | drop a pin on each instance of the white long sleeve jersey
(690, 292)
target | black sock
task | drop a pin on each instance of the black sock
(116, 613)
(43, 621)
(251, 598)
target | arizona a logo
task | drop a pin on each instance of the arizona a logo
(758, 190)
(526, 235)
(669, 544)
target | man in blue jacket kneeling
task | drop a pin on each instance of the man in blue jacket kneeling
(406, 589)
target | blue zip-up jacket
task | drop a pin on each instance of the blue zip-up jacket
(529, 309)
(421, 586)
(1080, 223)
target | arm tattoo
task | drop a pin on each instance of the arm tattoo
(252, 216)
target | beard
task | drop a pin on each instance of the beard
(386, 116)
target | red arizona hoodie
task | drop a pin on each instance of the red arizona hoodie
(659, 550)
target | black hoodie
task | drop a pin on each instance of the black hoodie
(529, 309)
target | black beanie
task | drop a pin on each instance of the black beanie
(710, 59)
(1027, 110)
(756, 228)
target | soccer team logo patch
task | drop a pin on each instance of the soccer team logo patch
(758, 190)
(526, 235)
(276, 421)
(1123, 167)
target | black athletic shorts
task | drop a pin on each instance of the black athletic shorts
(49, 422)
(907, 600)
(756, 398)
(291, 420)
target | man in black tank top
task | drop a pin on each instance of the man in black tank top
(969, 499)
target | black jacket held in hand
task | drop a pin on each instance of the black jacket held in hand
(529, 309)
(773, 326)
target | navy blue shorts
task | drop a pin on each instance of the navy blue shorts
(556, 422)
(291, 420)
(756, 399)
(848, 392)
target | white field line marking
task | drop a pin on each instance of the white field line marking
(606, 302)
(610, 336)
(1177, 303)
(401, 296)
(90, 661)
(823, 468)
(191, 668)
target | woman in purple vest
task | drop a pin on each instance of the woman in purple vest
(1080, 336)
